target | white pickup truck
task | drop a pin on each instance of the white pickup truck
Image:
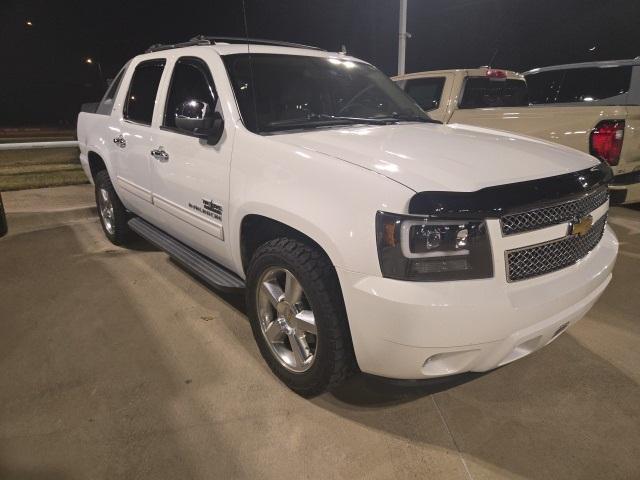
(593, 107)
(364, 234)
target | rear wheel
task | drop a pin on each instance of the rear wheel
(298, 317)
(113, 215)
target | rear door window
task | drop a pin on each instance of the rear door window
(590, 84)
(544, 87)
(427, 92)
(107, 101)
(577, 85)
(141, 97)
(483, 92)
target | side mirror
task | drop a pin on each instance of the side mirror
(199, 119)
(3, 220)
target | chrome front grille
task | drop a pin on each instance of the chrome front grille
(535, 260)
(552, 215)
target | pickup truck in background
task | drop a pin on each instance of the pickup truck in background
(593, 107)
(364, 234)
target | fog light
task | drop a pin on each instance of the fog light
(448, 363)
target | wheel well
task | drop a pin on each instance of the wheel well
(96, 164)
(256, 230)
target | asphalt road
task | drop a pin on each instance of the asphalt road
(115, 363)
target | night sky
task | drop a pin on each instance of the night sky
(45, 79)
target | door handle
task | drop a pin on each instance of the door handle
(120, 141)
(160, 154)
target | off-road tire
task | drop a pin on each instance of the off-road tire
(335, 359)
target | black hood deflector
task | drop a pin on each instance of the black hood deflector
(494, 202)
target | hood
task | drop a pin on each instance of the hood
(442, 157)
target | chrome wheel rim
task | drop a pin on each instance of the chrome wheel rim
(286, 319)
(105, 205)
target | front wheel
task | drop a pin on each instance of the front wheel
(298, 317)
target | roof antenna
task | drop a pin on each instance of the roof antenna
(343, 50)
(251, 89)
(493, 57)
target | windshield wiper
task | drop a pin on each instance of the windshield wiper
(315, 120)
(394, 117)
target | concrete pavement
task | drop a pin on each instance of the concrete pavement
(115, 363)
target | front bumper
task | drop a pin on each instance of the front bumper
(625, 188)
(413, 330)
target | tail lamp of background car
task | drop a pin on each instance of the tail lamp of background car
(496, 74)
(606, 141)
(426, 249)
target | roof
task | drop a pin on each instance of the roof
(244, 48)
(211, 40)
(601, 64)
(237, 45)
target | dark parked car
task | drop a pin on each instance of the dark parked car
(3, 219)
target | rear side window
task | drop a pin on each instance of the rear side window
(482, 92)
(585, 84)
(544, 87)
(107, 101)
(113, 88)
(590, 84)
(427, 92)
(191, 80)
(141, 97)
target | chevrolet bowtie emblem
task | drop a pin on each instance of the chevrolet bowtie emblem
(580, 226)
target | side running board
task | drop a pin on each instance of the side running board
(201, 266)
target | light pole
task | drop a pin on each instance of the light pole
(90, 61)
(402, 36)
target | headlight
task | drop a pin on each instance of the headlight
(427, 249)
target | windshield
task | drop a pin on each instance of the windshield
(286, 92)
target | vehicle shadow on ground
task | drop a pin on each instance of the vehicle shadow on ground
(236, 300)
(139, 244)
(364, 390)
